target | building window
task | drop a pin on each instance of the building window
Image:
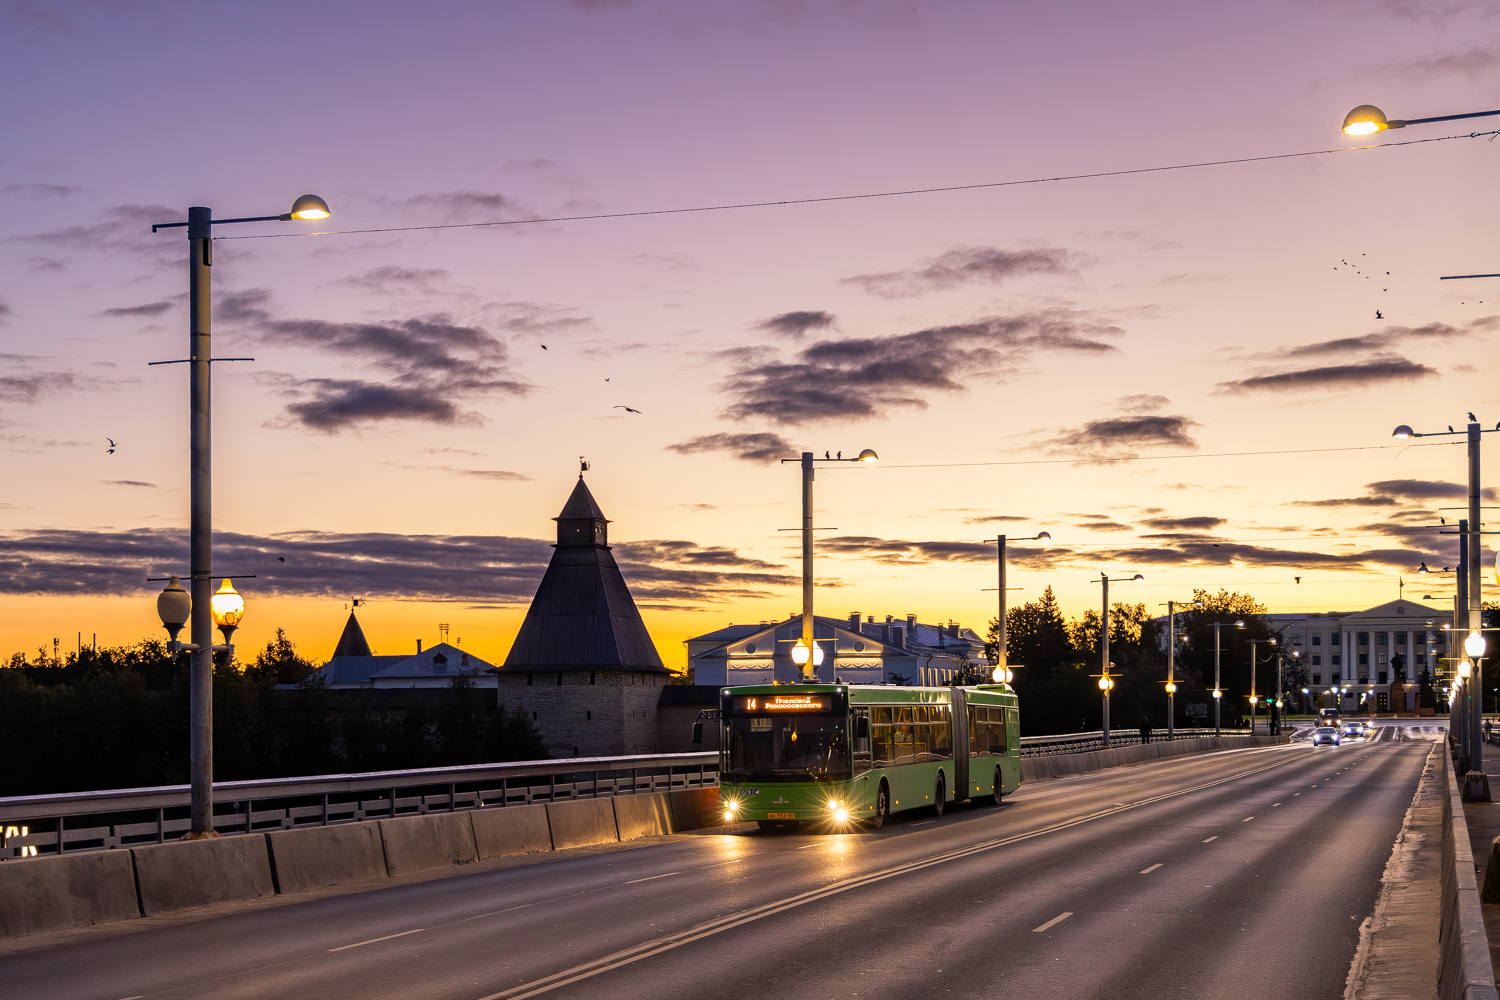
(1364, 659)
(1336, 659)
(589, 714)
(1364, 678)
(1421, 659)
(559, 678)
(1317, 639)
(529, 678)
(1317, 678)
(533, 716)
(1337, 677)
(593, 677)
(1400, 638)
(1317, 661)
(1382, 677)
(1364, 638)
(1380, 638)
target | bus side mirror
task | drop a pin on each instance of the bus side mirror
(697, 732)
(862, 727)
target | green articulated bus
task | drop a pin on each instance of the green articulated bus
(828, 756)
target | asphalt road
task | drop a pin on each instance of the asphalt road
(1218, 876)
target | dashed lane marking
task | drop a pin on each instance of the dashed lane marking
(1247, 819)
(1275, 804)
(1148, 871)
(1055, 920)
(649, 878)
(1212, 839)
(655, 946)
(361, 944)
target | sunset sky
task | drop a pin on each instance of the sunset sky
(403, 435)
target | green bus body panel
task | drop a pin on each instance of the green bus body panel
(911, 785)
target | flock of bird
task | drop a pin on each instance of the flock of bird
(627, 409)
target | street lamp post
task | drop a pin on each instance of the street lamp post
(1001, 660)
(1472, 432)
(1254, 663)
(806, 653)
(1172, 669)
(199, 225)
(1105, 682)
(1218, 690)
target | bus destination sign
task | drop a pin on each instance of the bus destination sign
(784, 703)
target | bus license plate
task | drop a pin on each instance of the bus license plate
(781, 815)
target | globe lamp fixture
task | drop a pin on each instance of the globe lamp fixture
(1464, 669)
(1218, 694)
(227, 608)
(1474, 645)
(1171, 688)
(175, 606)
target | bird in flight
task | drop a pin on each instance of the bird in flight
(625, 408)
(1377, 314)
(544, 347)
(112, 446)
(281, 559)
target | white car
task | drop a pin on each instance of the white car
(1325, 735)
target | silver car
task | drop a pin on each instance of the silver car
(1325, 735)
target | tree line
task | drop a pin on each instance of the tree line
(1058, 682)
(117, 717)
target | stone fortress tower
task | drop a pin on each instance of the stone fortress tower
(583, 666)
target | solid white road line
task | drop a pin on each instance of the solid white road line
(1055, 920)
(361, 944)
(650, 878)
(1148, 871)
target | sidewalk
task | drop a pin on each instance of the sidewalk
(1484, 826)
(1398, 944)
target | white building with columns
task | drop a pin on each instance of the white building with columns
(1368, 659)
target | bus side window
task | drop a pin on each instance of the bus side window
(977, 747)
(882, 736)
(862, 742)
(942, 730)
(1012, 729)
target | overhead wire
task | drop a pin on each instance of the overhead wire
(862, 196)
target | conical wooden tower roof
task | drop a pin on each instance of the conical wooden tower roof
(583, 617)
(352, 642)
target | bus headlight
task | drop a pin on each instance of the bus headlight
(730, 808)
(841, 816)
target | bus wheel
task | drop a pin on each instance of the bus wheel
(882, 807)
(999, 788)
(939, 796)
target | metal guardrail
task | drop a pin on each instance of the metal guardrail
(33, 825)
(1044, 746)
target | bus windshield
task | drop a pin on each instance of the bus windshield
(789, 748)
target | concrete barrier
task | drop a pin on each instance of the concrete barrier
(511, 830)
(582, 822)
(695, 808)
(418, 843)
(1464, 968)
(326, 855)
(1057, 765)
(642, 815)
(189, 873)
(74, 890)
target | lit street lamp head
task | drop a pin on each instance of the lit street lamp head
(228, 606)
(309, 208)
(1403, 432)
(1367, 119)
(868, 455)
(1474, 645)
(1048, 535)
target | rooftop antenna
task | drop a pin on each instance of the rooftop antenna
(443, 632)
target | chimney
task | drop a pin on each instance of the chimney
(419, 647)
(854, 621)
(870, 620)
(888, 619)
(953, 630)
(911, 623)
(898, 636)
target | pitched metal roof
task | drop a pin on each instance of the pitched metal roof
(583, 617)
(442, 660)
